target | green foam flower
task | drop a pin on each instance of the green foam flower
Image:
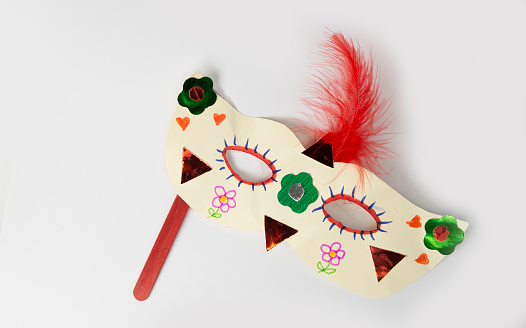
(197, 94)
(297, 192)
(443, 234)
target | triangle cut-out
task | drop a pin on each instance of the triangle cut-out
(192, 166)
(276, 232)
(384, 261)
(321, 152)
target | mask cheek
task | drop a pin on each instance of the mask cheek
(375, 247)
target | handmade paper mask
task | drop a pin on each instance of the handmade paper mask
(378, 245)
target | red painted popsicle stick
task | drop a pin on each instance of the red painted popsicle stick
(160, 249)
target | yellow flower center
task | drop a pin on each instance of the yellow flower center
(332, 254)
(223, 199)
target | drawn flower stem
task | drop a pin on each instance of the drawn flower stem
(213, 213)
(326, 269)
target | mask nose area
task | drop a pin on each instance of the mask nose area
(276, 232)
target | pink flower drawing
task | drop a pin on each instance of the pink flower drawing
(224, 200)
(332, 253)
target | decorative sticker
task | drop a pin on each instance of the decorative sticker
(321, 152)
(443, 234)
(276, 232)
(193, 166)
(384, 261)
(197, 94)
(297, 192)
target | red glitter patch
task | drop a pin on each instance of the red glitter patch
(321, 152)
(192, 166)
(196, 94)
(384, 261)
(441, 233)
(276, 232)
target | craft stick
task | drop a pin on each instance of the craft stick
(160, 249)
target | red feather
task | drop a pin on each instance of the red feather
(346, 102)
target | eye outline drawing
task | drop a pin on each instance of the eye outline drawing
(360, 202)
(253, 152)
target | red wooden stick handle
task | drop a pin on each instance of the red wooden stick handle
(160, 249)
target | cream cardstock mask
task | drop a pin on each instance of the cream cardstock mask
(378, 245)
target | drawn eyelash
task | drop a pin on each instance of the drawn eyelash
(360, 202)
(253, 152)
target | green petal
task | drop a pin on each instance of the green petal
(287, 181)
(431, 225)
(207, 82)
(447, 250)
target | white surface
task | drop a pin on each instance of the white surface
(89, 89)
(5, 173)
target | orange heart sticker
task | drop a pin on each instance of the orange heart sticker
(422, 259)
(218, 118)
(415, 222)
(183, 122)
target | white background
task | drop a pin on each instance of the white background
(88, 90)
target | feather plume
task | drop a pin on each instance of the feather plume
(345, 101)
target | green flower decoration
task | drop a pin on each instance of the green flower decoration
(197, 94)
(297, 192)
(443, 234)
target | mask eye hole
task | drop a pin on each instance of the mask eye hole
(351, 214)
(248, 165)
